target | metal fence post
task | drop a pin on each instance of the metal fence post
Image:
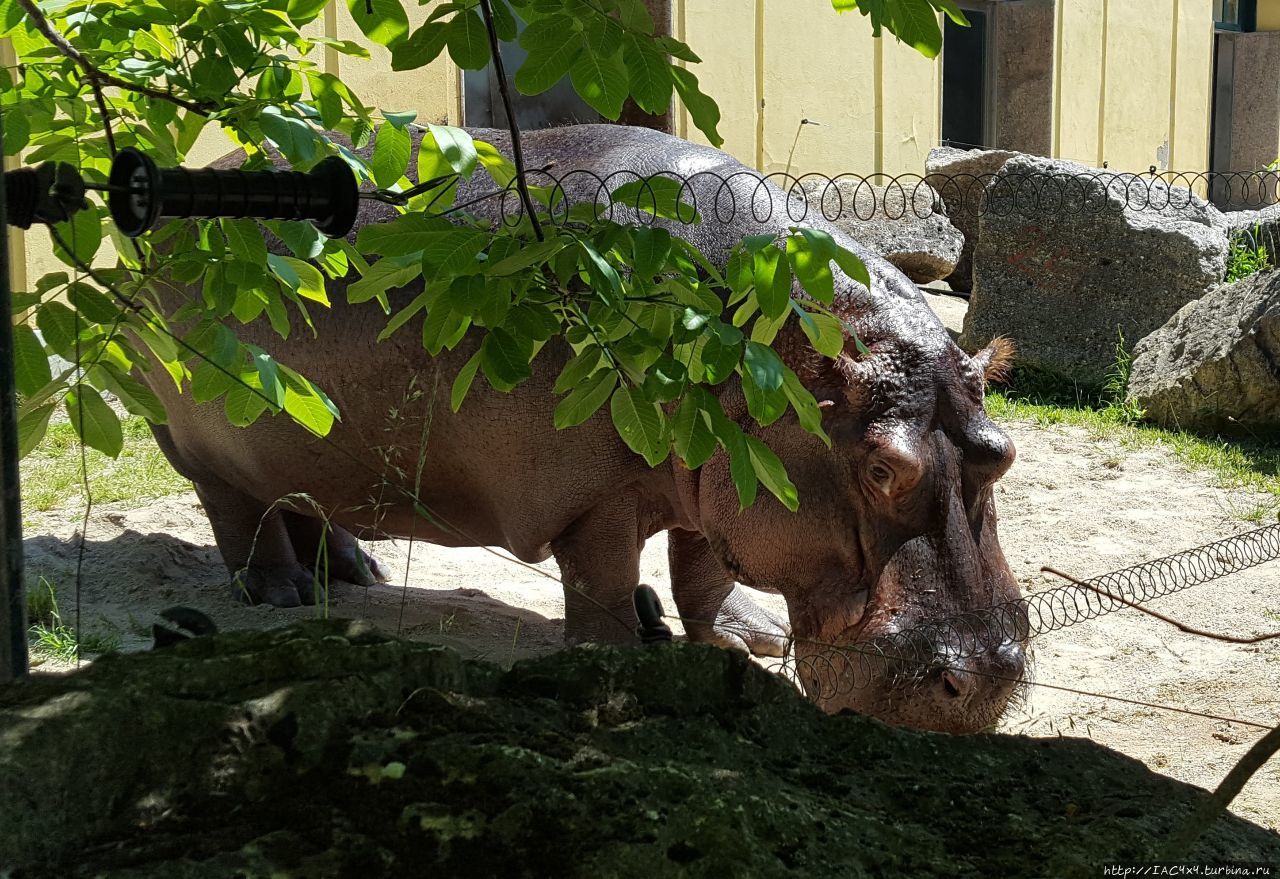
(13, 609)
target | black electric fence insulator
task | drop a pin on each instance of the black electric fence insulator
(652, 630)
(47, 193)
(140, 193)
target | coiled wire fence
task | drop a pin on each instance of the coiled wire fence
(938, 643)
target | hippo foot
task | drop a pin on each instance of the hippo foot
(276, 585)
(741, 624)
(351, 564)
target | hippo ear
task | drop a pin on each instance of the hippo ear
(995, 361)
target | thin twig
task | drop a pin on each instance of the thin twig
(96, 77)
(1213, 808)
(1230, 639)
(517, 151)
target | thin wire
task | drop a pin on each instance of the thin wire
(854, 648)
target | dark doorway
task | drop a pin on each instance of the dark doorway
(964, 82)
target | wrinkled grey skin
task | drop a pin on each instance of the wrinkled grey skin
(896, 521)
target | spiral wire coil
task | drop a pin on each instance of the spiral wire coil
(831, 670)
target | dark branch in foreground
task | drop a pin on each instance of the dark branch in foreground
(517, 151)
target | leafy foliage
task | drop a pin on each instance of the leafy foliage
(915, 22)
(653, 327)
(1248, 256)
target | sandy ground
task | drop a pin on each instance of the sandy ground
(1072, 501)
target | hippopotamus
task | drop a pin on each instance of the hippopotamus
(896, 523)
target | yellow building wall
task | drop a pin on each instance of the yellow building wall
(1269, 15)
(1192, 103)
(1080, 75)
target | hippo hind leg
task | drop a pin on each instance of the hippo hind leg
(338, 558)
(714, 608)
(256, 547)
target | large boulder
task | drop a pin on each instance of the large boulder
(1257, 227)
(905, 223)
(961, 177)
(1215, 366)
(1071, 257)
(330, 750)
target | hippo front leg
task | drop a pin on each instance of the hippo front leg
(714, 608)
(599, 558)
(256, 547)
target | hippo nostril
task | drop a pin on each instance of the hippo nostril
(952, 685)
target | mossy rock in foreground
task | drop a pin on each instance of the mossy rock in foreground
(330, 750)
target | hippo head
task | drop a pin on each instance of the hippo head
(896, 525)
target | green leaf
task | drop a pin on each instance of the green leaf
(457, 147)
(462, 384)
(387, 25)
(553, 46)
(385, 274)
(641, 424)
(17, 132)
(660, 196)
(307, 404)
(32, 428)
(137, 398)
(303, 239)
(94, 421)
(601, 81)
(585, 399)
(244, 405)
(772, 474)
(304, 11)
(649, 74)
(694, 441)
(82, 234)
(807, 409)
(421, 48)
(57, 324)
(30, 362)
(245, 239)
(504, 359)
(268, 375)
(825, 332)
(294, 137)
(764, 365)
(853, 266)
(468, 41)
(527, 256)
(578, 368)
(450, 253)
(811, 261)
(498, 165)
(306, 279)
(703, 110)
(915, 23)
(390, 157)
(763, 405)
(402, 316)
(605, 277)
(404, 235)
(677, 49)
(650, 249)
(773, 282)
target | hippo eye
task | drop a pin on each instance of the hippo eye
(881, 477)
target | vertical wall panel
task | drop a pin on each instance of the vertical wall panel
(1080, 80)
(723, 34)
(1139, 69)
(1192, 104)
(910, 109)
(819, 66)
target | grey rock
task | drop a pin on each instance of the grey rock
(906, 223)
(1215, 366)
(1070, 257)
(960, 177)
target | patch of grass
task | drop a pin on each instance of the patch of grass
(51, 473)
(1045, 400)
(1247, 256)
(50, 637)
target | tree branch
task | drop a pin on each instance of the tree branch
(517, 151)
(1230, 639)
(96, 77)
